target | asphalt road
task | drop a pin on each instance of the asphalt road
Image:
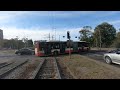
(7, 57)
(99, 57)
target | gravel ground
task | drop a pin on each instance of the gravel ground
(85, 68)
(25, 71)
(7, 69)
(28, 69)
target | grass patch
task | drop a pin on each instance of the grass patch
(3, 52)
(85, 68)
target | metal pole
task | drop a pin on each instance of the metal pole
(69, 49)
(100, 39)
(49, 37)
(17, 41)
(97, 47)
(59, 37)
(55, 34)
(52, 37)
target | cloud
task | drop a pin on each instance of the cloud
(102, 14)
(4, 15)
(9, 15)
(115, 22)
(39, 33)
(69, 14)
(25, 18)
(18, 18)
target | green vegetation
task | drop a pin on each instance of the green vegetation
(104, 36)
(116, 42)
(15, 43)
(85, 68)
(87, 35)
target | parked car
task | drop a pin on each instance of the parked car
(25, 51)
(112, 57)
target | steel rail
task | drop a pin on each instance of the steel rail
(48, 69)
(3, 74)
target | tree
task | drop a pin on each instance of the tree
(20, 44)
(91, 39)
(30, 43)
(116, 42)
(25, 40)
(105, 33)
(13, 43)
(85, 33)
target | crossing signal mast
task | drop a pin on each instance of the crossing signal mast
(68, 36)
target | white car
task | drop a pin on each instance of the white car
(112, 57)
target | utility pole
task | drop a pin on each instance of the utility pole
(27, 42)
(55, 34)
(100, 38)
(59, 37)
(96, 43)
(52, 37)
(49, 36)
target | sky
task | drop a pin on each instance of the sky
(38, 25)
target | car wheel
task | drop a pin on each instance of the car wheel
(108, 60)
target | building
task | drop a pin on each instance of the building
(1, 34)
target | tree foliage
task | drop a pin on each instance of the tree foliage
(116, 42)
(14, 43)
(85, 33)
(30, 43)
(106, 32)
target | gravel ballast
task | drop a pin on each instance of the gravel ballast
(26, 71)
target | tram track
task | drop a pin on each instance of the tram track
(2, 65)
(49, 69)
(64, 70)
(8, 68)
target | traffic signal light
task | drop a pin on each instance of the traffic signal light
(68, 34)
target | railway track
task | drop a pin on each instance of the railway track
(2, 65)
(64, 70)
(48, 69)
(7, 68)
